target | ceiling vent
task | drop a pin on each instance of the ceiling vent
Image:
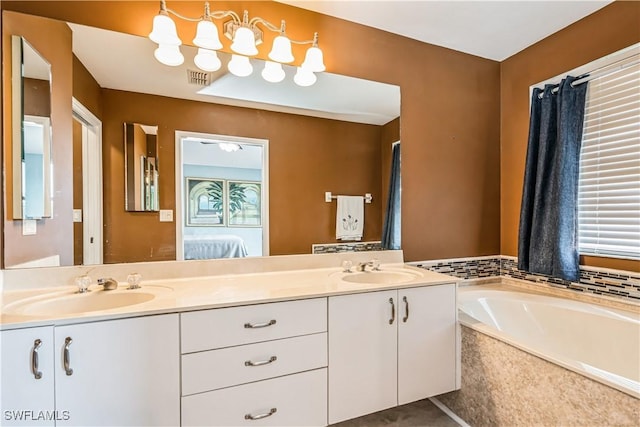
(199, 78)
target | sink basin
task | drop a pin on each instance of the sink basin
(380, 277)
(74, 303)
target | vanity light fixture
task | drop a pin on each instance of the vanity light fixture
(245, 36)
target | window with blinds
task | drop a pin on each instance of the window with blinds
(609, 184)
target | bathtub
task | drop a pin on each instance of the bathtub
(597, 342)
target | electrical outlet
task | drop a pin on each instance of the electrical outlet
(29, 227)
(166, 215)
(77, 215)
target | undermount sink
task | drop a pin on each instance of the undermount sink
(380, 277)
(74, 303)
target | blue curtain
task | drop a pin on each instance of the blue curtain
(547, 240)
(391, 226)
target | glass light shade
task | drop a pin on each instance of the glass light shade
(207, 60)
(281, 50)
(164, 31)
(207, 36)
(229, 147)
(169, 55)
(273, 72)
(240, 66)
(244, 42)
(304, 77)
(313, 60)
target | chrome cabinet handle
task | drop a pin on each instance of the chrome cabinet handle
(406, 313)
(393, 311)
(259, 325)
(34, 359)
(263, 362)
(65, 357)
(261, 416)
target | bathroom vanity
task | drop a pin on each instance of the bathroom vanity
(291, 347)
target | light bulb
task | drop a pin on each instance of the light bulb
(240, 66)
(164, 31)
(244, 42)
(304, 77)
(313, 60)
(207, 60)
(273, 72)
(281, 50)
(207, 36)
(169, 55)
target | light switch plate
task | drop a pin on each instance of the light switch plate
(77, 215)
(166, 215)
(29, 227)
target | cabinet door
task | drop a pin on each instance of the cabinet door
(120, 372)
(426, 342)
(362, 354)
(27, 391)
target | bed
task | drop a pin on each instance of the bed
(211, 247)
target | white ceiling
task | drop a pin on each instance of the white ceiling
(489, 29)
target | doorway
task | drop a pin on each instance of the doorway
(222, 197)
(87, 186)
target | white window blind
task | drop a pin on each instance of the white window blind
(609, 184)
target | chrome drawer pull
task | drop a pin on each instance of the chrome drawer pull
(393, 311)
(34, 359)
(259, 325)
(67, 369)
(261, 416)
(406, 313)
(264, 362)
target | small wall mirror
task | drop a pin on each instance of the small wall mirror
(31, 112)
(141, 167)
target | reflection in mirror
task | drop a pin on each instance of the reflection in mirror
(333, 136)
(141, 167)
(31, 146)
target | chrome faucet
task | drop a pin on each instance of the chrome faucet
(374, 264)
(108, 283)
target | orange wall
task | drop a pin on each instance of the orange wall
(52, 236)
(307, 156)
(450, 117)
(606, 31)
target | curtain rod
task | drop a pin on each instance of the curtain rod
(595, 75)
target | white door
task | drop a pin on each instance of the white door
(119, 372)
(426, 342)
(27, 391)
(362, 354)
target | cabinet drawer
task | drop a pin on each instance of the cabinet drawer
(226, 327)
(294, 400)
(214, 369)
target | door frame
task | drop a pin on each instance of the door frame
(92, 209)
(180, 183)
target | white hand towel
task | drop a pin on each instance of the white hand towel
(350, 217)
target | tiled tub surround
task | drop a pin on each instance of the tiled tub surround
(593, 281)
(505, 386)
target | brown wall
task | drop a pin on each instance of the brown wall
(606, 31)
(36, 97)
(307, 156)
(450, 117)
(78, 244)
(52, 39)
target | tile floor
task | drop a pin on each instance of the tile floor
(422, 413)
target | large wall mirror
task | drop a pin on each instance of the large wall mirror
(335, 136)
(31, 144)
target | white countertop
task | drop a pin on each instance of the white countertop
(226, 290)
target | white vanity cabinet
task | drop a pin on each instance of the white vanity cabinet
(389, 348)
(119, 372)
(255, 365)
(26, 365)
(112, 373)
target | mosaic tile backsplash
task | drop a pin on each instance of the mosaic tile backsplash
(621, 284)
(332, 248)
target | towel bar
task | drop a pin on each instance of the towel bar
(328, 197)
